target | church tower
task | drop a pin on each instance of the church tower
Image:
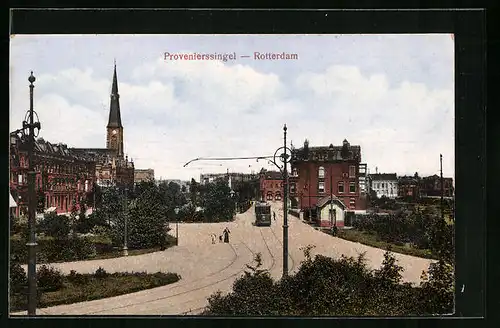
(114, 137)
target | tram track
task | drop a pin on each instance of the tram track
(273, 264)
(235, 258)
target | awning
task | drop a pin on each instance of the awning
(50, 209)
(12, 202)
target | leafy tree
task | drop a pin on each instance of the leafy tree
(217, 201)
(56, 226)
(146, 218)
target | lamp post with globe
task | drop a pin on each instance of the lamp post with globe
(176, 210)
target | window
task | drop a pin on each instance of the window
(20, 179)
(321, 187)
(341, 187)
(352, 202)
(352, 171)
(278, 196)
(294, 172)
(292, 187)
(321, 172)
(352, 187)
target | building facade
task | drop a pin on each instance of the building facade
(113, 168)
(232, 177)
(431, 186)
(317, 172)
(271, 185)
(144, 175)
(63, 179)
(384, 184)
(409, 187)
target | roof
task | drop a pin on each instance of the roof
(328, 153)
(115, 120)
(326, 200)
(43, 147)
(273, 175)
(384, 176)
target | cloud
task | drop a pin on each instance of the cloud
(176, 111)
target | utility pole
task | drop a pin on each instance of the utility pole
(32, 285)
(442, 187)
(285, 207)
(125, 237)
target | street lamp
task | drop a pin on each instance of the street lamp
(284, 158)
(176, 210)
(125, 214)
(30, 126)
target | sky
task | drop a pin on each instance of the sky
(391, 94)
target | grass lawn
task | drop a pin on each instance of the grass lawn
(87, 287)
(371, 239)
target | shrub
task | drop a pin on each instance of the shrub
(336, 287)
(18, 278)
(49, 278)
(100, 273)
(77, 278)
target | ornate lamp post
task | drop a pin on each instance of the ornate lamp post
(30, 126)
(125, 214)
(176, 210)
(284, 158)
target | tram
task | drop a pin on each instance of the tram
(262, 214)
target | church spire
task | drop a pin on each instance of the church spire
(115, 120)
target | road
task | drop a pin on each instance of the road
(206, 268)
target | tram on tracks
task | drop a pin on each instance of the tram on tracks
(262, 214)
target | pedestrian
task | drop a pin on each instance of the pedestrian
(274, 215)
(220, 239)
(213, 238)
(226, 233)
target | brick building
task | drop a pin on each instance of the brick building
(112, 167)
(431, 186)
(62, 177)
(409, 187)
(328, 171)
(271, 185)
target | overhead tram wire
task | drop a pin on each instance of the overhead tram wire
(225, 159)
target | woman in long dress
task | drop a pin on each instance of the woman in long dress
(226, 233)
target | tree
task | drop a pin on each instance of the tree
(56, 226)
(217, 201)
(147, 219)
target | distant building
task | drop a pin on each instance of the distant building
(181, 183)
(328, 170)
(384, 184)
(431, 186)
(144, 175)
(231, 177)
(271, 185)
(409, 187)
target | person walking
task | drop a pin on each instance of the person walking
(226, 233)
